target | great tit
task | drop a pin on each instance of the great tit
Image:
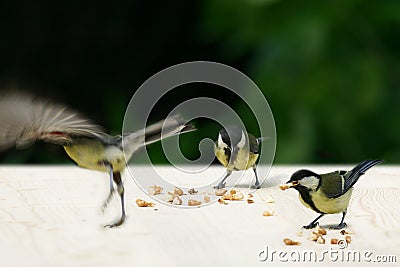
(25, 119)
(237, 150)
(328, 193)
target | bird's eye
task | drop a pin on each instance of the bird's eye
(294, 183)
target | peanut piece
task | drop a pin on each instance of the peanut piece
(334, 241)
(268, 213)
(155, 190)
(143, 203)
(194, 202)
(290, 242)
(220, 192)
(320, 240)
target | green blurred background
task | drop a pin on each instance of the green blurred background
(329, 69)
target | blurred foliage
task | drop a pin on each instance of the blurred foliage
(329, 69)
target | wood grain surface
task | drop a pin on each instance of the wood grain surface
(50, 216)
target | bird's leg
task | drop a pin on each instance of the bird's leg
(342, 224)
(222, 183)
(105, 204)
(313, 223)
(257, 184)
(120, 189)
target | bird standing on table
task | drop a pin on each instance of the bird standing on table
(327, 193)
(237, 150)
(24, 120)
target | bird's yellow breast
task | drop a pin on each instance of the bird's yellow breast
(329, 205)
(91, 154)
(243, 160)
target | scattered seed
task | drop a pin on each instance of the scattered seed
(194, 202)
(192, 191)
(268, 213)
(345, 232)
(220, 192)
(233, 195)
(177, 201)
(155, 190)
(290, 242)
(221, 201)
(300, 233)
(320, 240)
(143, 203)
(314, 236)
(284, 187)
(320, 230)
(334, 241)
(270, 199)
(178, 191)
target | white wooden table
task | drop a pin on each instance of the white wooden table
(50, 216)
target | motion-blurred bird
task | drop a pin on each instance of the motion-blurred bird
(25, 119)
(328, 193)
(237, 150)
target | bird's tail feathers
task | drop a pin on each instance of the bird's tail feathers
(163, 129)
(359, 170)
(261, 139)
(365, 165)
(166, 128)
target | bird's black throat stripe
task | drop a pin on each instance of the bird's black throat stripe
(227, 153)
(305, 195)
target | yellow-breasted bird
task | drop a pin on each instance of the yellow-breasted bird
(25, 119)
(328, 193)
(237, 150)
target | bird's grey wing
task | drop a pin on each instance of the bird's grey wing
(254, 144)
(25, 119)
(332, 184)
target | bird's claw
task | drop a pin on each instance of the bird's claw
(256, 186)
(117, 223)
(219, 186)
(310, 226)
(339, 226)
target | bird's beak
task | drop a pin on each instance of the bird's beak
(288, 185)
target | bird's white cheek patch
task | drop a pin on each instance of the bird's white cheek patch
(242, 142)
(311, 182)
(221, 142)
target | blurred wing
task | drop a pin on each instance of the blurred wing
(24, 120)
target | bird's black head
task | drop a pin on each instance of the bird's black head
(304, 178)
(232, 136)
